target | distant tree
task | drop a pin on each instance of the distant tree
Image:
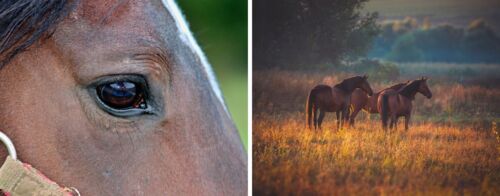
(481, 43)
(405, 41)
(441, 43)
(390, 32)
(404, 49)
(310, 32)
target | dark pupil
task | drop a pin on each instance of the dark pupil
(120, 95)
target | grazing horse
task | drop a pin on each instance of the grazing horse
(393, 103)
(333, 99)
(361, 100)
(115, 97)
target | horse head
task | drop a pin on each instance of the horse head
(114, 97)
(424, 89)
(364, 85)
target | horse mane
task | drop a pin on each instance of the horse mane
(23, 22)
(410, 89)
(346, 84)
(397, 86)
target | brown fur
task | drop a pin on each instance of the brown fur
(323, 98)
(393, 104)
(361, 100)
(191, 147)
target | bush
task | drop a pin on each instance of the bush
(377, 70)
(478, 43)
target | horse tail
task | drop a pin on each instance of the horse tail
(383, 111)
(309, 107)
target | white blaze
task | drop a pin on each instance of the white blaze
(188, 38)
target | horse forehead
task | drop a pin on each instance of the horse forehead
(363, 81)
(133, 13)
(123, 15)
(109, 20)
(96, 12)
(113, 29)
(420, 83)
(424, 85)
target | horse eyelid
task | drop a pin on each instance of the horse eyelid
(137, 78)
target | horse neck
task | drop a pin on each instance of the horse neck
(393, 87)
(410, 90)
(345, 86)
(397, 86)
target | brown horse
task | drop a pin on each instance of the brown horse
(333, 99)
(361, 100)
(396, 103)
(114, 97)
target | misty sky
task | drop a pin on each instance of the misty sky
(456, 12)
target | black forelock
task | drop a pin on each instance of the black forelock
(23, 22)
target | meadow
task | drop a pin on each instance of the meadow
(452, 147)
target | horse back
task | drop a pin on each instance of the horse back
(323, 95)
(398, 105)
(327, 98)
(389, 94)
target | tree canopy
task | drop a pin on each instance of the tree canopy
(310, 32)
(406, 41)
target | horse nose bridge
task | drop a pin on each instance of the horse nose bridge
(370, 90)
(369, 87)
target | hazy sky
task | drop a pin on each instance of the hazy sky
(457, 12)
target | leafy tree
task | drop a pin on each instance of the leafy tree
(310, 32)
(404, 49)
(402, 42)
(481, 42)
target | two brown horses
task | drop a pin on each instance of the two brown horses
(393, 103)
(361, 100)
(336, 99)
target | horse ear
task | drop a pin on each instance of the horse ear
(424, 78)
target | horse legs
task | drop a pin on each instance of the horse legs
(353, 115)
(393, 120)
(407, 121)
(345, 116)
(321, 116)
(338, 119)
(396, 124)
(315, 117)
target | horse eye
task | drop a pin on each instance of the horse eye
(122, 95)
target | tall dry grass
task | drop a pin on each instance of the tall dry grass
(452, 147)
(428, 159)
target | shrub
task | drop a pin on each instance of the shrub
(377, 69)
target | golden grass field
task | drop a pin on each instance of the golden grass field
(452, 147)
